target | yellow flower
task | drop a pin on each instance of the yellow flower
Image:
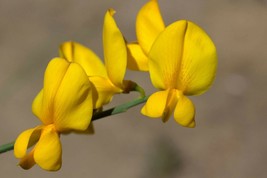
(149, 24)
(63, 105)
(182, 61)
(107, 79)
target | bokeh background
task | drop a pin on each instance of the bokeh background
(230, 137)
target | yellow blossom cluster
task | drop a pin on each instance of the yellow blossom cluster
(180, 58)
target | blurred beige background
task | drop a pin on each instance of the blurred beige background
(230, 137)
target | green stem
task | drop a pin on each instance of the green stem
(140, 90)
(119, 109)
(132, 86)
(7, 147)
(116, 110)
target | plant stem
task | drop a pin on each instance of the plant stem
(119, 109)
(116, 110)
(7, 147)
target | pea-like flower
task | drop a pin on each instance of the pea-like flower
(63, 105)
(182, 61)
(107, 79)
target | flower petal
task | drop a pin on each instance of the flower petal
(170, 104)
(25, 140)
(48, 152)
(90, 130)
(90, 62)
(72, 104)
(199, 61)
(184, 112)
(149, 24)
(66, 99)
(115, 52)
(37, 105)
(155, 104)
(43, 103)
(166, 54)
(103, 91)
(137, 59)
(27, 161)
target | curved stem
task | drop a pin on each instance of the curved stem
(116, 110)
(132, 86)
